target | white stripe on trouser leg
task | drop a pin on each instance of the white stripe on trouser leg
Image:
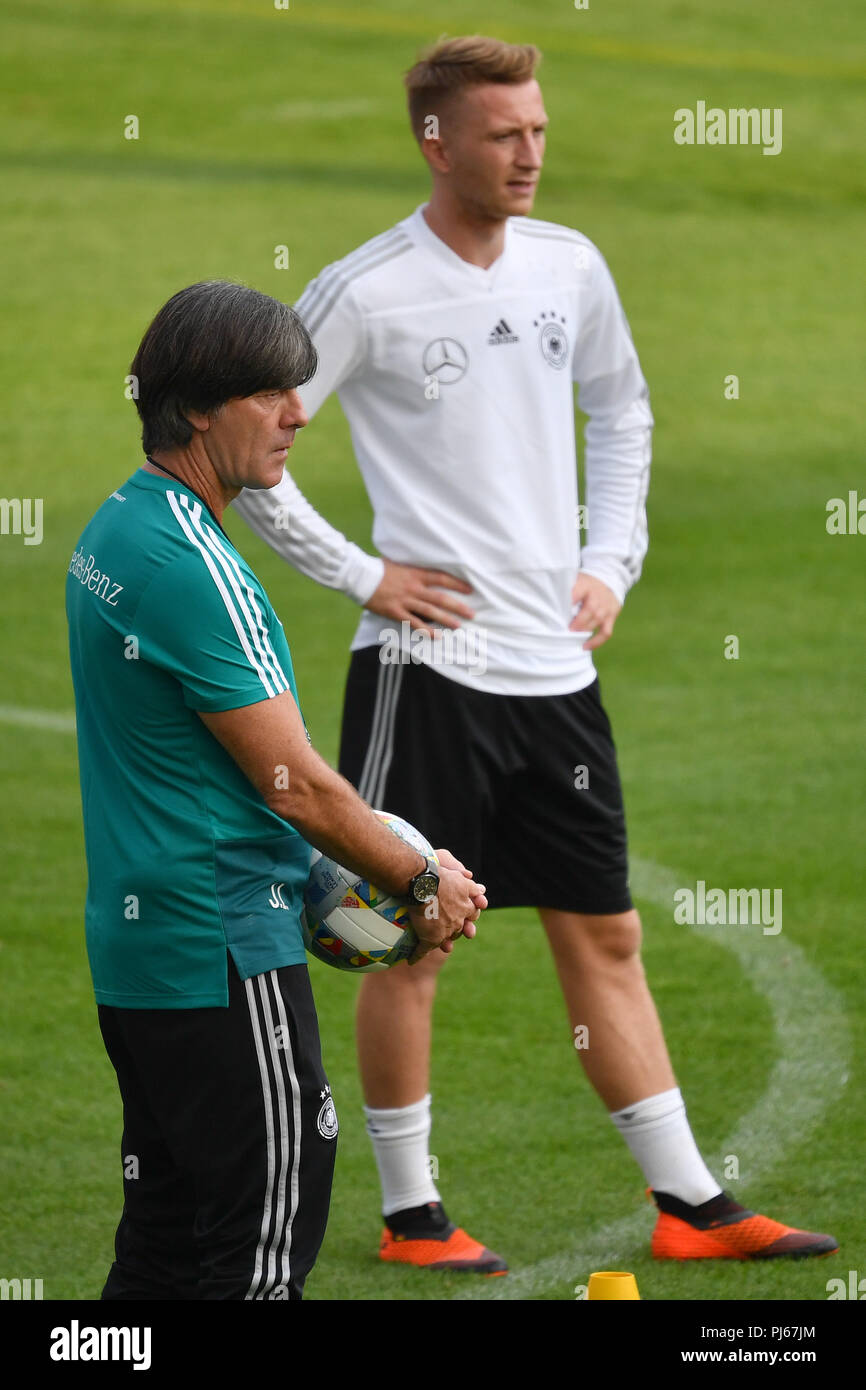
(377, 729)
(249, 986)
(388, 751)
(382, 686)
(282, 1220)
(295, 1185)
(381, 746)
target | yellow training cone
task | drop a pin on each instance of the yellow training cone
(612, 1283)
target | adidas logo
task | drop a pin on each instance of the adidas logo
(502, 334)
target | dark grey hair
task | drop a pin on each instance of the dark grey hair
(210, 343)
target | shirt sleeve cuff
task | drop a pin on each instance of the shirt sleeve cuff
(610, 572)
(362, 575)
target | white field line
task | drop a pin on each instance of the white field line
(37, 719)
(338, 109)
(813, 1043)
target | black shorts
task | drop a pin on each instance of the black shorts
(524, 789)
(228, 1144)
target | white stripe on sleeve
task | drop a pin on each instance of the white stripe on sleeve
(242, 629)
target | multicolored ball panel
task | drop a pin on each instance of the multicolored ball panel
(351, 924)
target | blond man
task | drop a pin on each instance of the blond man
(453, 342)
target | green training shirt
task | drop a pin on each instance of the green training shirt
(185, 860)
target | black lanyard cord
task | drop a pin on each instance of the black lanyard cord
(163, 469)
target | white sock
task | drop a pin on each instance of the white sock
(400, 1142)
(657, 1133)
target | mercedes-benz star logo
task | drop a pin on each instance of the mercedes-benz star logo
(445, 359)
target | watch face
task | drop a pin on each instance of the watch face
(425, 888)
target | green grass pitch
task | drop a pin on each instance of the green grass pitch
(260, 127)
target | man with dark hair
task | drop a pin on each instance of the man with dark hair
(453, 341)
(202, 797)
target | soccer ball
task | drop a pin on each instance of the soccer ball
(350, 923)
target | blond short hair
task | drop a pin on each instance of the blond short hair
(452, 65)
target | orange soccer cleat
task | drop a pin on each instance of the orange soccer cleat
(721, 1229)
(423, 1236)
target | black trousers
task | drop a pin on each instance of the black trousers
(229, 1137)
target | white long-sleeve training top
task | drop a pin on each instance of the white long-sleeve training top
(457, 385)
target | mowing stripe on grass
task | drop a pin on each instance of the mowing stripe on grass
(812, 1069)
(325, 110)
(556, 37)
(37, 719)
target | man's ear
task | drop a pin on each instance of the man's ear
(198, 421)
(433, 146)
(436, 156)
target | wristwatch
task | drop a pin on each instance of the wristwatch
(424, 886)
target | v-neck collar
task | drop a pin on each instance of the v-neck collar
(484, 277)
